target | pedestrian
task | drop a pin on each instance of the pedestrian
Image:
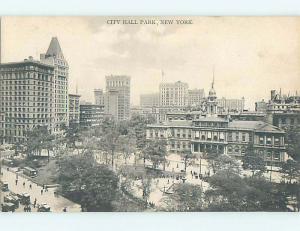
(34, 203)
(30, 186)
(168, 181)
(42, 191)
(16, 181)
(65, 209)
(43, 186)
(23, 184)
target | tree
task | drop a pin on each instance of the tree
(156, 152)
(185, 198)
(234, 193)
(72, 134)
(290, 169)
(253, 161)
(293, 143)
(188, 158)
(227, 164)
(37, 139)
(127, 145)
(93, 186)
(211, 155)
(109, 138)
(146, 183)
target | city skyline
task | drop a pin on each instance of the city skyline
(187, 53)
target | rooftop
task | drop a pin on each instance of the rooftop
(254, 125)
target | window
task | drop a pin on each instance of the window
(261, 140)
(276, 156)
(269, 141)
(243, 137)
(277, 141)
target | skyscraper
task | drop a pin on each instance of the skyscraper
(26, 98)
(173, 94)
(54, 57)
(117, 96)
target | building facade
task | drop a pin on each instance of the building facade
(117, 97)
(231, 105)
(195, 97)
(74, 109)
(27, 98)
(204, 133)
(54, 57)
(99, 97)
(217, 135)
(173, 94)
(91, 115)
(149, 100)
(261, 106)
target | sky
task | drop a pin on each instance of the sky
(249, 55)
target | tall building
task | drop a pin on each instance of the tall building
(91, 115)
(173, 94)
(149, 100)
(54, 57)
(26, 98)
(74, 109)
(99, 97)
(117, 96)
(195, 97)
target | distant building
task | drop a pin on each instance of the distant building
(195, 97)
(54, 57)
(173, 94)
(74, 109)
(204, 132)
(117, 96)
(91, 115)
(284, 110)
(261, 106)
(26, 98)
(111, 105)
(149, 100)
(231, 105)
(99, 97)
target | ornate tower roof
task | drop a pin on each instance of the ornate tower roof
(55, 49)
(212, 92)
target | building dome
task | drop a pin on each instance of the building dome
(212, 92)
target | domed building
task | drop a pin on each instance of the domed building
(211, 103)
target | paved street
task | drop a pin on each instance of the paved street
(57, 204)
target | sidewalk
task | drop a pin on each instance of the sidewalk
(57, 204)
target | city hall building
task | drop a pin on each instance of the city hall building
(210, 133)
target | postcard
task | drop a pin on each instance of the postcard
(149, 114)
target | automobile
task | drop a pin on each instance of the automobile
(24, 198)
(44, 208)
(8, 207)
(12, 199)
(4, 186)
